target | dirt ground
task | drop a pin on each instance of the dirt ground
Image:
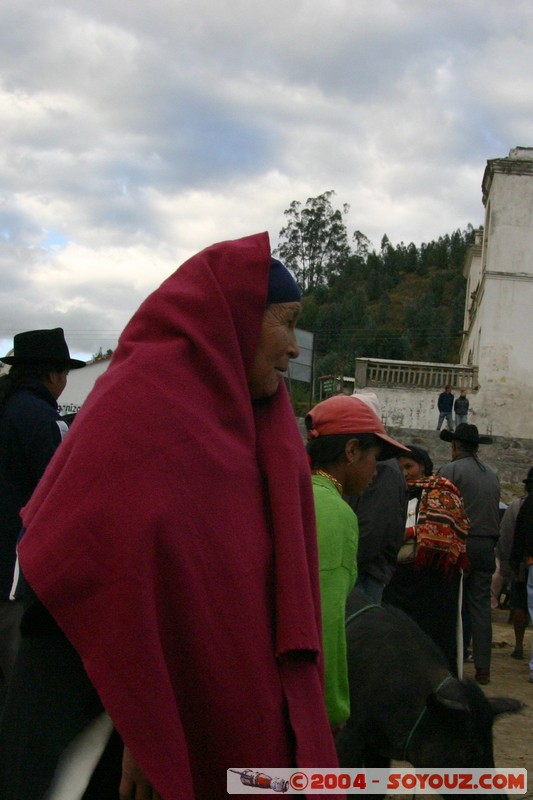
(513, 733)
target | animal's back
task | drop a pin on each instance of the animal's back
(393, 666)
(405, 704)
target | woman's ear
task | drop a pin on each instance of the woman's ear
(351, 450)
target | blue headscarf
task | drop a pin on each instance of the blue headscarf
(282, 288)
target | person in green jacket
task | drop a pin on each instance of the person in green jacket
(345, 439)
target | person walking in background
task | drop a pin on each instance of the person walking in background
(480, 489)
(515, 574)
(445, 406)
(175, 565)
(522, 550)
(461, 408)
(31, 429)
(345, 437)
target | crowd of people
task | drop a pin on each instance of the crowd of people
(174, 589)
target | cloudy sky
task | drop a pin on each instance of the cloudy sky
(136, 132)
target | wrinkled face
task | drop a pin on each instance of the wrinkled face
(277, 345)
(361, 470)
(412, 470)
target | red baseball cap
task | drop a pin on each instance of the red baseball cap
(348, 414)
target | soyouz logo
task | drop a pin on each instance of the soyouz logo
(377, 781)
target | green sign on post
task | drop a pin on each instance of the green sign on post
(328, 386)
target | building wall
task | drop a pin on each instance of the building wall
(499, 318)
(79, 384)
(496, 413)
(416, 408)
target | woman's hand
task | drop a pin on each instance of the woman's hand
(134, 785)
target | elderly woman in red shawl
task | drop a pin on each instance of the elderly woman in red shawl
(173, 554)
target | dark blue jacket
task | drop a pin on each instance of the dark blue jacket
(445, 402)
(381, 512)
(30, 431)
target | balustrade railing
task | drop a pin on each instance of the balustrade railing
(414, 374)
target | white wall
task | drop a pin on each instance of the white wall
(499, 413)
(417, 408)
(501, 328)
(79, 384)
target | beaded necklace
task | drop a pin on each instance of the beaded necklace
(335, 482)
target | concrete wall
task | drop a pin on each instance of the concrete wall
(417, 408)
(499, 409)
(412, 408)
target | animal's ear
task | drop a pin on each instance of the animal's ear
(505, 705)
(448, 699)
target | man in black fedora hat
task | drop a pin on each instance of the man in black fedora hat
(30, 431)
(480, 489)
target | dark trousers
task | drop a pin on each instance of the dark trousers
(476, 586)
(431, 599)
(10, 616)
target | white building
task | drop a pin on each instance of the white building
(499, 309)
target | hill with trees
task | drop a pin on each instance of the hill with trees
(402, 302)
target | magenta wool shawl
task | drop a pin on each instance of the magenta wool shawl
(173, 540)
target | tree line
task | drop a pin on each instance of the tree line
(402, 301)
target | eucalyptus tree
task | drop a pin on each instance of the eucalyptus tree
(314, 242)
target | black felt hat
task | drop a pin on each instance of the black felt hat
(45, 345)
(465, 433)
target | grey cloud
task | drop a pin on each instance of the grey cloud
(92, 324)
